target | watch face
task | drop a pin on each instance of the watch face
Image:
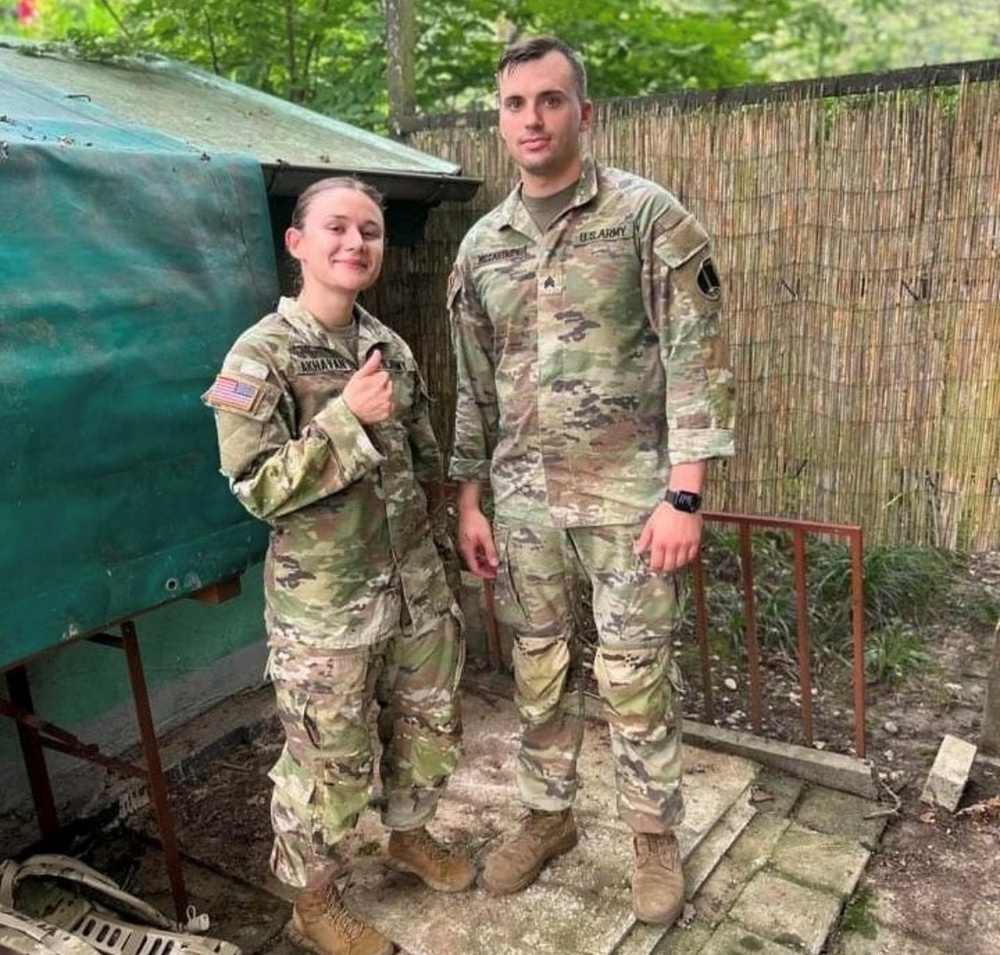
(686, 501)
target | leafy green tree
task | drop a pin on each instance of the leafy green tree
(331, 54)
(874, 35)
(630, 49)
(327, 54)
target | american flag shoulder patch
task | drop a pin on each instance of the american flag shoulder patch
(228, 391)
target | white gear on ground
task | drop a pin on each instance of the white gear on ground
(57, 904)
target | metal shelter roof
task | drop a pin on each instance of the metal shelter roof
(294, 145)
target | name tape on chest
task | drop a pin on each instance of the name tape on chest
(517, 254)
(337, 365)
(606, 234)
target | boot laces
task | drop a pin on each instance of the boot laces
(661, 846)
(435, 851)
(536, 825)
(339, 915)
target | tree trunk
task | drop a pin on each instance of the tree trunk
(400, 41)
(990, 742)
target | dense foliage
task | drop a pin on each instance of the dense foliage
(332, 55)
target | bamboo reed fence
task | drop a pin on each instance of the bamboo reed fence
(858, 239)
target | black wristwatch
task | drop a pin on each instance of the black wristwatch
(686, 501)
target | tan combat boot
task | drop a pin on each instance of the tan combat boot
(416, 851)
(658, 881)
(322, 923)
(516, 864)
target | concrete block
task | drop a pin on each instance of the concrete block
(833, 770)
(841, 814)
(787, 913)
(716, 844)
(756, 843)
(718, 893)
(679, 941)
(733, 939)
(949, 774)
(825, 861)
(885, 942)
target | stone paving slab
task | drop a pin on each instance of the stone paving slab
(770, 861)
(886, 942)
(776, 793)
(684, 940)
(580, 904)
(753, 850)
(732, 939)
(787, 913)
(838, 813)
(820, 859)
(717, 844)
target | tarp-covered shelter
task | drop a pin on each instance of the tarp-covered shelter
(141, 208)
(294, 145)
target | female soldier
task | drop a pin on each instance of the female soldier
(324, 433)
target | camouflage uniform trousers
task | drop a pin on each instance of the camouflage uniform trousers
(324, 776)
(634, 612)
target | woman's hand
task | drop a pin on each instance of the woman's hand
(368, 393)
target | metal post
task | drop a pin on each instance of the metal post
(701, 623)
(157, 781)
(34, 755)
(750, 624)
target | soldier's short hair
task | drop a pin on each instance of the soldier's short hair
(534, 48)
(307, 195)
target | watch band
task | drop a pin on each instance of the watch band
(686, 501)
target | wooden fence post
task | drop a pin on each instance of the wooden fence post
(990, 741)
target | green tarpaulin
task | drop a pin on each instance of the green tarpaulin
(129, 262)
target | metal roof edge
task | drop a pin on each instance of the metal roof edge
(159, 63)
(307, 115)
(286, 180)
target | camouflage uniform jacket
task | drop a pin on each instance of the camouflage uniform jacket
(589, 357)
(350, 545)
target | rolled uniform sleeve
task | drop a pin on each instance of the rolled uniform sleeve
(272, 469)
(684, 304)
(476, 409)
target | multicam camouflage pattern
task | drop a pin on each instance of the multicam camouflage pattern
(358, 606)
(589, 356)
(324, 776)
(351, 549)
(590, 361)
(635, 612)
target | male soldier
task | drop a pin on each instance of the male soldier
(592, 391)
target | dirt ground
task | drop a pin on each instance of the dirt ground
(936, 874)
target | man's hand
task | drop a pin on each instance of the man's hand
(475, 543)
(671, 537)
(368, 393)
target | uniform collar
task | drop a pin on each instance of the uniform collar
(371, 333)
(514, 215)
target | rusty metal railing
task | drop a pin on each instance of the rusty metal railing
(798, 529)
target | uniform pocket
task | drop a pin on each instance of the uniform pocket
(510, 609)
